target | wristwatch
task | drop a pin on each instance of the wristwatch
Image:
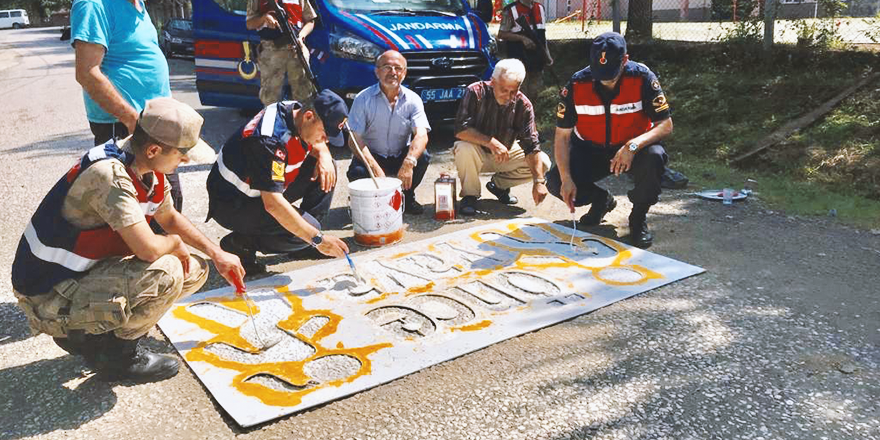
(633, 146)
(411, 160)
(318, 239)
(539, 180)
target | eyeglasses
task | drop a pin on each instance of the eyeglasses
(396, 69)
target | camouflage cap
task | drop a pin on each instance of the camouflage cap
(175, 124)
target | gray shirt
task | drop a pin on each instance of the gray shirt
(386, 131)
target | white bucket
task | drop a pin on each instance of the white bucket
(376, 214)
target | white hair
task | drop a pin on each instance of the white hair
(510, 69)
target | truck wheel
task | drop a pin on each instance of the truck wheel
(16, 25)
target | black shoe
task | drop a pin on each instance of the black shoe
(69, 346)
(468, 205)
(413, 207)
(80, 343)
(232, 243)
(639, 235)
(123, 359)
(598, 210)
(672, 179)
(503, 195)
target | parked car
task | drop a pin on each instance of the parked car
(177, 37)
(14, 18)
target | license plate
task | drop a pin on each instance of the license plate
(447, 94)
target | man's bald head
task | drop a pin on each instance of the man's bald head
(390, 55)
(390, 71)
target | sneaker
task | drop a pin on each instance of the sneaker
(503, 195)
(598, 210)
(232, 243)
(123, 359)
(468, 205)
(413, 207)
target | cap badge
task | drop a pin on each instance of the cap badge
(602, 59)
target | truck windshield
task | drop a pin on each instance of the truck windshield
(411, 7)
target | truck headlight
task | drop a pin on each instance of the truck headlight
(492, 47)
(354, 48)
(176, 40)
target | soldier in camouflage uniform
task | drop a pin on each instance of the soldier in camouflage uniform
(91, 273)
(276, 55)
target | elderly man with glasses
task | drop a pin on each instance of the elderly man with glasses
(390, 124)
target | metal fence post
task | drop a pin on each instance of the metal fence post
(615, 15)
(769, 20)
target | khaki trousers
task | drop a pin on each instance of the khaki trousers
(124, 295)
(472, 159)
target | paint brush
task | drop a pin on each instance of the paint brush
(242, 291)
(574, 227)
(357, 276)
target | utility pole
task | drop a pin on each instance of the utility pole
(615, 15)
(769, 20)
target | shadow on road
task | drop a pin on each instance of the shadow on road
(74, 142)
(15, 327)
(50, 395)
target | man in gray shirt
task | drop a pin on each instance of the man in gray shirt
(391, 127)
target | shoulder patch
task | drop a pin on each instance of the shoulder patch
(560, 110)
(655, 84)
(660, 103)
(280, 154)
(564, 92)
(277, 171)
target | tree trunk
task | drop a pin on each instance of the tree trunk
(639, 21)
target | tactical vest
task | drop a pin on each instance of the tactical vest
(615, 124)
(294, 14)
(52, 249)
(271, 122)
(533, 59)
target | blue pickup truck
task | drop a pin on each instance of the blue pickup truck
(447, 47)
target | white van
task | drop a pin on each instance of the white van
(14, 18)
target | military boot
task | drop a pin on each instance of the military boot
(240, 246)
(80, 343)
(639, 235)
(124, 359)
(598, 209)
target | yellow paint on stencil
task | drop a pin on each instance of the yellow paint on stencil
(290, 372)
(293, 372)
(622, 255)
(473, 327)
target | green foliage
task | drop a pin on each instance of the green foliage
(749, 32)
(873, 31)
(821, 33)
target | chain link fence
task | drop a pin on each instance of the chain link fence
(827, 23)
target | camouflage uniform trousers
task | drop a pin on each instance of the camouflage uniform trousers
(124, 295)
(274, 62)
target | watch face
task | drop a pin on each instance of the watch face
(633, 147)
(317, 240)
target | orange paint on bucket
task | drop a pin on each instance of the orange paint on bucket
(377, 213)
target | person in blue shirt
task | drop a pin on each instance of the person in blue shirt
(389, 123)
(120, 67)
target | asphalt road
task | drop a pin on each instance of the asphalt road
(779, 339)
